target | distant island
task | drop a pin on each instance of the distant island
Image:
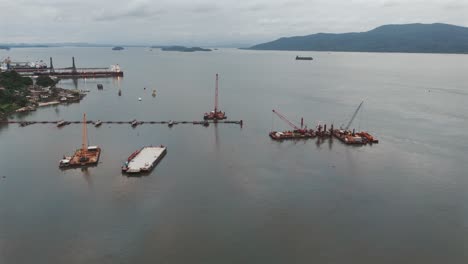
(180, 48)
(118, 48)
(411, 38)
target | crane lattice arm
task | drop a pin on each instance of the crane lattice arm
(216, 95)
(286, 120)
(354, 116)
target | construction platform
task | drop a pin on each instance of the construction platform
(81, 159)
(352, 138)
(144, 160)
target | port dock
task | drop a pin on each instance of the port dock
(144, 160)
(71, 72)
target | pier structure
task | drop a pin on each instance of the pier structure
(73, 71)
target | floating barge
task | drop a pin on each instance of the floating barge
(295, 134)
(351, 138)
(216, 114)
(86, 156)
(144, 160)
(81, 158)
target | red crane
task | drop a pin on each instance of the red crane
(216, 95)
(216, 114)
(289, 122)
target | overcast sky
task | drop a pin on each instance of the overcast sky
(209, 22)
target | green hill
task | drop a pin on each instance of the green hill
(417, 38)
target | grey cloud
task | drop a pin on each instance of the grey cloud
(204, 8)
(180, 21)
(135, 9)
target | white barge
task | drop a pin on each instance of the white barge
(144, 160)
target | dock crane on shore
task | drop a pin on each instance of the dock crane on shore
(296, 128)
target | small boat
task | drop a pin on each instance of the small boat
(120, 92)
(170, 123)
(65, 162)
(154, 93)
(98, 123)
(62, 123)
(134, 123)
(99, 86)
(139, 98)
(206, 123)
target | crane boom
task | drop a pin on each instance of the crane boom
(286, 120)
(354, 116)
(216, 95)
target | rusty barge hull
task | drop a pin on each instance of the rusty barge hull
(92, 158)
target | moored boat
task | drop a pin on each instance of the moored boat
(62, 123)
(98, 123)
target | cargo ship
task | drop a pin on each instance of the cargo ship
(144, 160)
(303, 58)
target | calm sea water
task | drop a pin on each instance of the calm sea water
(225, 194)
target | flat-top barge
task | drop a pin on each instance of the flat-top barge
(144, 160)
(295, 134)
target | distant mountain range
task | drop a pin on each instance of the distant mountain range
(180, 48)
(417, 38)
